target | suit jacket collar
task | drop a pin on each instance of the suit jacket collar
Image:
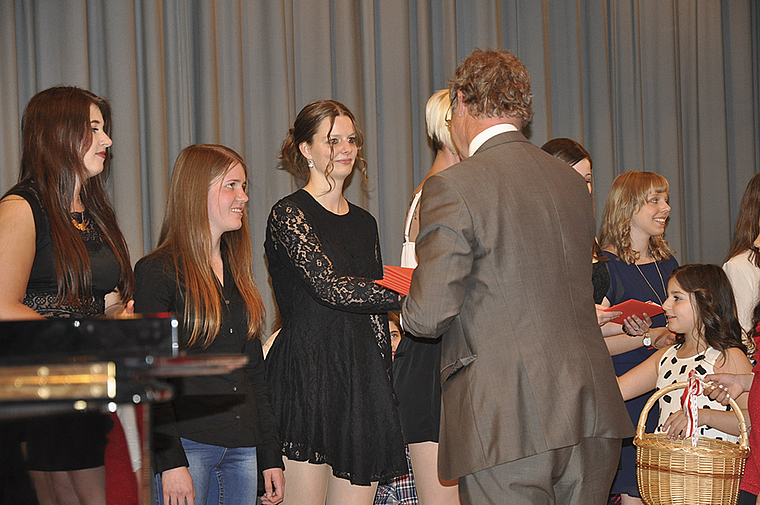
(490, 132)
(501, 138)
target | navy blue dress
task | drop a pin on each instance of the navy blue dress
(627, 283)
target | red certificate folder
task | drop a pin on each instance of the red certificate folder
(635, 307)
(399, 279)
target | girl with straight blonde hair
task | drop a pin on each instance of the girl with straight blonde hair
(211, 437)
(416, 371)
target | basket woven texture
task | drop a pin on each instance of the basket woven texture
(674, 472)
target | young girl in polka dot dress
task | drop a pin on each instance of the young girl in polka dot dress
(700, 309)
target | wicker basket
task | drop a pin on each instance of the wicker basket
(674, 472)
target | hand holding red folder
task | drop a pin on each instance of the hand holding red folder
(635, 308)
(399, 279)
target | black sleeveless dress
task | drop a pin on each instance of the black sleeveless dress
(69, 441)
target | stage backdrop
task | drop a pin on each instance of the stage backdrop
(669, 86)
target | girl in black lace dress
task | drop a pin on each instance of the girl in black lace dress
(329, 369)
(62, 252)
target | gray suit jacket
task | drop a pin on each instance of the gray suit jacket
(505, 275)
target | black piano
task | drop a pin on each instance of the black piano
(56, 365)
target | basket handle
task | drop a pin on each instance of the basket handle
(743, 439)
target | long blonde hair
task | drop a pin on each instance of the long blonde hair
(185, 240)
(627, 195)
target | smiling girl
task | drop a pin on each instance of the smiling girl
(700, 309)
(211, 439)
(640, 262)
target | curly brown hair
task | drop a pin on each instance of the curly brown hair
(713, 304)
(495, 83)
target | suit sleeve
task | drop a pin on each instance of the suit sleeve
(444, 249)
(155, 291)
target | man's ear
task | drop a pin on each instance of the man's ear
(460, 104)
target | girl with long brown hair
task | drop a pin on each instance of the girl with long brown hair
(329, 369)
(62, 253)
(212, 437)
(743, 259)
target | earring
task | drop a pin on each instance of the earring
(310, 163)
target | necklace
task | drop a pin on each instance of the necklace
(81, 223)
(649, 284)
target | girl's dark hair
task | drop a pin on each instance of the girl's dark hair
(748, 223)
(567, 150)
(56, 133)
(395, 318)
(305, 128)
(571, 152)
(714, 305)
(754, 332)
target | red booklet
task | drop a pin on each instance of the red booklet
(399, 279)
(635, 307)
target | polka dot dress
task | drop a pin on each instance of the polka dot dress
(672, 369)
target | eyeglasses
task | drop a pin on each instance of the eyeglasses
(447, 117)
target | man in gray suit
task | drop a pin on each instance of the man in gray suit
(531, 413)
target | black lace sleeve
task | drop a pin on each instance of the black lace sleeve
(293, 237)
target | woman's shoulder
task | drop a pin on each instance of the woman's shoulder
(21, 205)
(671, 262)
(294, 202)
(26, 191)
(610, 254)
(736, 361)
(157, 263)
(669, 351)
(740, 261)
(615, 264)
(360, 212)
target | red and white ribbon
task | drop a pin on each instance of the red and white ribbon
(689, 405)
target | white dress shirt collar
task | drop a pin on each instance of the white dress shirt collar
(486, 134)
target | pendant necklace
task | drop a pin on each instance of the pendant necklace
(650, 285)
(81, 223)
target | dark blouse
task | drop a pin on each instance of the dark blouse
(600, 277)
(231, 410)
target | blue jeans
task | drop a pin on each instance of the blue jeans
(221, 476)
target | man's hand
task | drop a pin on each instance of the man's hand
(603, 317)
